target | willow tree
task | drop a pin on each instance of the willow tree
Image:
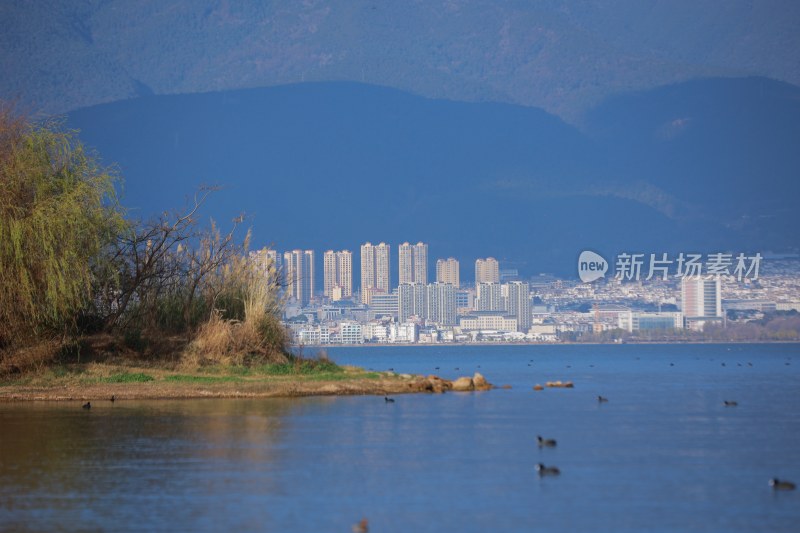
(57, 214)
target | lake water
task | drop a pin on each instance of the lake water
(664, 454)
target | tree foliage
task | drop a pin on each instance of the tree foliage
(58, 212)
(71, 264)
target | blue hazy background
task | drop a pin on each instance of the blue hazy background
(527, 131)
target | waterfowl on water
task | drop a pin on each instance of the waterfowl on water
(388, 400)
(361, 527)
(731, 403)
(549, 443)
(778, 484)
(602, 399)
(547, 470)
(87, 405)
(112, 398)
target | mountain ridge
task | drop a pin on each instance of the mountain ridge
(333, 165)
(563, 56)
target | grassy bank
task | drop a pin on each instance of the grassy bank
(99, 381)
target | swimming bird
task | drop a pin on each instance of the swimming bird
(601, 399)
(361, 527)
(545, 443)
(777, 484)
(388, 400)
(87, 405)
(112, 398)
(731, 403)
(547, 470)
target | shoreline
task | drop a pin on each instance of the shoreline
(98, 382)
(542, 344)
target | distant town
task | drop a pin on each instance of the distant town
(499, 306)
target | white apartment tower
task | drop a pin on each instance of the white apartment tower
(518, 303)
(299, 274)
(447, 272)
(375, 273)
(413, 263)
(435, 302)
(490, 297)
(700, 297)
(265, 261)
(442, 303)
(487, 271)
(338, 273)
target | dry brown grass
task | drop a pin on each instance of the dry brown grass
(260, 337)
(231, 342)
(34, 358)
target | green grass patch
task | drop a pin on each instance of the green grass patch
(184, 378)
(302, 367)
(8, 382)
(128, 377)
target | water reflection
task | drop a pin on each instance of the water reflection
(58, 459)
(664, 453)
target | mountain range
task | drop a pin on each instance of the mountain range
(564, 56)
(705, 165)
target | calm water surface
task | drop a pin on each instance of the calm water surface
(664, 454)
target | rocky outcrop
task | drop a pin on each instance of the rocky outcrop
(560, 384)
(463, 384)
(480, 382)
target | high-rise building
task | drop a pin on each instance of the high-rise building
(308, 274)
(441, 303)
(405, 258)
(367, 270)
(518, 303)
(299, 274)
(487, 271)
(435, 302)
(421, 263)
(413, 263)
(411, 300)
(266, 261)
(383, 279)
(383, 305)
(375, 272)
(338, 273)
(490, 297)
(700, 297)
(447, 272)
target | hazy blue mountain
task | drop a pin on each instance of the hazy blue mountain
(725, 150)
(332, 165)
(560, 55)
